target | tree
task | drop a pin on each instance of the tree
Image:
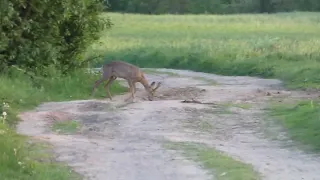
(39, 34)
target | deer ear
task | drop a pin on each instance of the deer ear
(152, 84)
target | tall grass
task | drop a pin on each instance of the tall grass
(18, 159)
(283, 45)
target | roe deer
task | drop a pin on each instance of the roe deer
(119, 69)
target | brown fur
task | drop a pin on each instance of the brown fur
(119, 69)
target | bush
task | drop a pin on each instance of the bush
(37, 35)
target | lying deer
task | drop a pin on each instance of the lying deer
(119, 69)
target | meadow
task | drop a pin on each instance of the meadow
(285, 46)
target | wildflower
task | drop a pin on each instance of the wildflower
(5, 105)
(3, 117)
(15, 151)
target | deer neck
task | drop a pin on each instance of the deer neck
(145, 84)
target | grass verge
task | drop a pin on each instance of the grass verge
(19, 160)
(23, 160)
(301, 121)
(220, 166)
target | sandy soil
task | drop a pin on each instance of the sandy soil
(123, 141)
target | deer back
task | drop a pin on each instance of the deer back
(123, 70)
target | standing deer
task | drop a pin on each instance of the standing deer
(119, 69)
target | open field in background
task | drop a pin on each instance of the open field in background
(284, 45)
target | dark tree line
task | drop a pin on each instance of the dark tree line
(211, 6)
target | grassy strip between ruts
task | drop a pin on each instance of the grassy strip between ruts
(66, 127)
(302, 122)
(19, 158)
(218, 164)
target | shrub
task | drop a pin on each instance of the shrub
(37, 35)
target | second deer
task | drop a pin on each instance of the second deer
(119, 69)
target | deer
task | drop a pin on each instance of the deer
(131, 73)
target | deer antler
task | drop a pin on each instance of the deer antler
(158, 85)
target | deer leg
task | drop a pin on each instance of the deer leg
(111, 79)
(96, 84)
(134, 87)
(131, 90)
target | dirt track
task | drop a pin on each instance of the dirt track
(120, 141)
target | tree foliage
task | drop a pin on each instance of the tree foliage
(212, 6)
(39, 34)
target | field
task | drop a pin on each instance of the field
(285, 46)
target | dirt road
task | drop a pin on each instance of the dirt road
(121, 141)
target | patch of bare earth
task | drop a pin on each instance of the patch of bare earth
(121, 140)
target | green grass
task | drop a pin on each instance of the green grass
(21, 160)
(221, 166)
(283, 45)
(302, 122)
(65, 127)
(20, 93)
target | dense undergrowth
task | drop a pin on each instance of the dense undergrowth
(283, 45)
